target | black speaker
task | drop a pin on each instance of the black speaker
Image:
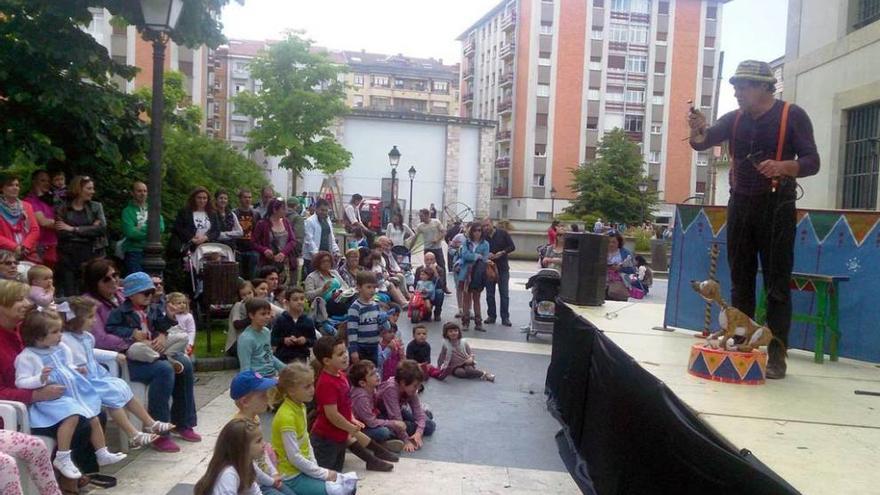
(584, 267)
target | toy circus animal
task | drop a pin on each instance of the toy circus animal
(738, 331)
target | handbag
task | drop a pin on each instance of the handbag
(615, 288)
(491, 272)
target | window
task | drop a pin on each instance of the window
(637, 64)
(659, 67)
(617, 62)
(633, 123)
(546, 28)
(702, 159)
(662, 35)
(700, 187)
(618, 33)
(545, 62)
(654, 156)
(358, 79)
(538, 180)
(359, 101)
(596, 33)
(635, 96)
(663, 7)
(620, 5)
(657, 99)
(240, 68)
(656, 128)
(381, 81)
(541, 150)
(638, 34)
(441, 86)
(639, 6)
(706, 100)
(711, 12)
(595, 65)
(592, 122)
(860, 166)
(867, 12)
(613, 121)
(593, 94)
(541, 120)
(614, 93)
(590, 153)
(543, 90)
(708, 71)
(709, 42)
(239, 129)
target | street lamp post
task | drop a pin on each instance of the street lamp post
(412, 176)
(394, 160)
(552, 202)
(643, 188)
(160, 17)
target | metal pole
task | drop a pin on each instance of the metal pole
(393, 190)
(153, 262)
(410, 199)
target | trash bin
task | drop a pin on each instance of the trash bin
(659, 256)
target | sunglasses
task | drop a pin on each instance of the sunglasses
(149, 293)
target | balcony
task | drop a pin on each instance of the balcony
(508, 23)
(507, 51)
(469, 46)
(506, 80)
(469, 74)
(502, 162)
(503, 191)
(505, 106)
(503, 136)
(466, 97)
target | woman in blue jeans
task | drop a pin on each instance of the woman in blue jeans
(101, 282)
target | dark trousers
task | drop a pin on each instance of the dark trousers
(369, 352)
(249, 262)
(328, 454)
(81, 450)
(763, 228)
(133, 262)
(438, 254)
(503, 285)
(411, 426)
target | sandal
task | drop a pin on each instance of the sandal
(489, 377)
(142, 439)
(160, 428)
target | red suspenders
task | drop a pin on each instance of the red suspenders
(780, 143)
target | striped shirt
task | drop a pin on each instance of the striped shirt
(363, 325)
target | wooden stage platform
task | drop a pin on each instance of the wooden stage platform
(810, 428)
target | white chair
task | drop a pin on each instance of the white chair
(15, 417)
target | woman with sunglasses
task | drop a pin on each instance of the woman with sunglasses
(101, 284)
(82, 233)
(9, 266)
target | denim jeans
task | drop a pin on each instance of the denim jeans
(163, 385)
(379, 433)
(410, 421)
(503, 285)
(437, 300)
(304, 485)
(249, 262)
(134, 261)
(271, 490)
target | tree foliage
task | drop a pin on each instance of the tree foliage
(199, 21)
(301, 97)
(609, 186)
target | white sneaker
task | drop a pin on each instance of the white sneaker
(105, 457)
(65, 465)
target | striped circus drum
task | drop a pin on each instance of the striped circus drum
(744, 368)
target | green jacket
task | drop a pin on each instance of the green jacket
(136, 235)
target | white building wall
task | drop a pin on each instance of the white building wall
(469, 156)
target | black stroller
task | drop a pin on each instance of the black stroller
(545, 288)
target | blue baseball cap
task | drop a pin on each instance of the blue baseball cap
(249, 381)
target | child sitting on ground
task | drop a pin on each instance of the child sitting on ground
(644, 276)
(255, 343)
(457, 358)
(178, 314)
(114, 392)
(290, 434)
(237, 318)
(426, 287)
(390, 353)
(46, 360)
(231, 470)
(364, 379)
(335, 429)
(42, 286)
(403, 390)
(363, 320)
(130, 322)
(293, 334)
(419, 350)
(250, 391)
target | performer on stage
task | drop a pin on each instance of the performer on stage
(771, 143)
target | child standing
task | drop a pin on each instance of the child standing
(255, 345)
(335, 428)
(45, 361)
(42, 286)
(114, 392)
(177, 310)
(419, 350)
(426, 287)
(403, 389)
(457, 358)
(390, 352)
(130, 322)
(293, 334)
(365, 378)
(250, 390)
(231, 470)
(363, 320)
(290, 434)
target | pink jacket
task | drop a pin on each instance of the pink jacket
(104, 340)
(31, 233)
(261, 239)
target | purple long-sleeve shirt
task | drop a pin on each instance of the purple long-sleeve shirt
(389, 400)
(104, 340)
(363, 406)
(760, 137)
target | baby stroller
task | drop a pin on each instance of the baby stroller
(403, 256)
(214, 274)
(418, 310)
(545, 287)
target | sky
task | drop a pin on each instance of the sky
(751, 29)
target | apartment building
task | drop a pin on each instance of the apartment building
(398, 83)
(557, 74)
(831, 53)
(125, 45)
(228, 75)
(778, 67)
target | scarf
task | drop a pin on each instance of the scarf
(13, 214)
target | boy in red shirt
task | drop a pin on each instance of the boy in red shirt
(335, 428)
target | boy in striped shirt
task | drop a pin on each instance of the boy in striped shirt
(364, 320)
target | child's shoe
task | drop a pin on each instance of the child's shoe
(105, 457)
(373, 463)
(142, 439)
(64, 464)
(161, 428)
(177, 365)
(381, 452)
(394, 445)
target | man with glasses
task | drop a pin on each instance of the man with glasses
(771, 144)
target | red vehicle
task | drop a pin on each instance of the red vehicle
(371, 214)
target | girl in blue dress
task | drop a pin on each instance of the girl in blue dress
(114, 392)
(46, 360)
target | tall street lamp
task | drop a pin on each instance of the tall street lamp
(412, 176)
(643, 188)
(394, 160)
(160, 17)
(552, 202)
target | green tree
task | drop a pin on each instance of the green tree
(609, 186)
(301, 97)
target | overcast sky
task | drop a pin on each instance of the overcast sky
(421, 28)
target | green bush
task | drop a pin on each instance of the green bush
(643, 240)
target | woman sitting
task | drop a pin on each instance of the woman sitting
(326, 283)
(349, 267)
(620, 266)
(372, 261)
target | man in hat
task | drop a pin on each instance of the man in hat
(770, 144)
